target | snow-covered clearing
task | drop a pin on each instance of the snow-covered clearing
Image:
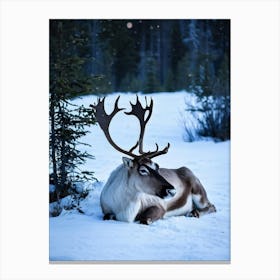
(78, 237)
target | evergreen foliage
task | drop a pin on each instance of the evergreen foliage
(143, 55)
(170, 55)
(208, 77)
(68, 78)
(151, 83)
(212, 109)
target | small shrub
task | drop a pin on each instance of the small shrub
(190, 134)
(70, 200)
(212, 116)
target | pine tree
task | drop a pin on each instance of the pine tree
(68, 78)
(152, 83)
(176, 53)
(119, 42)
(210, 81)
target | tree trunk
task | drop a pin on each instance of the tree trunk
(53, 146)
(63, 159)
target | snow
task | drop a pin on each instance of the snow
(86, 237)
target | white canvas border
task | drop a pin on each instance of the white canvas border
(255, 138)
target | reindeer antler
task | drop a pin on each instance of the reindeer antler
(138, 111)
(104, 121)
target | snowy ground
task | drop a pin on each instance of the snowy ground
(87, 237)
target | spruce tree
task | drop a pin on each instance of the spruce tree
(152, 83)
(68, 78)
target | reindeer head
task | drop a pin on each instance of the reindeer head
(143, 175)
(142, 171)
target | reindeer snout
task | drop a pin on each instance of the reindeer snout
(167, 191)
(171, 192)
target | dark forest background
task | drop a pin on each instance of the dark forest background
(146, 55)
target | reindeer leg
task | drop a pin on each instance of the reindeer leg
(210, 208)
(196, 212)
(109, 216)
(150, 215)
(201, 203)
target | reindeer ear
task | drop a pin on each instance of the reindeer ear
(128, 163)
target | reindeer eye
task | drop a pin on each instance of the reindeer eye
(143, 171)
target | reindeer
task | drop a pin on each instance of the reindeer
(137, 190)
